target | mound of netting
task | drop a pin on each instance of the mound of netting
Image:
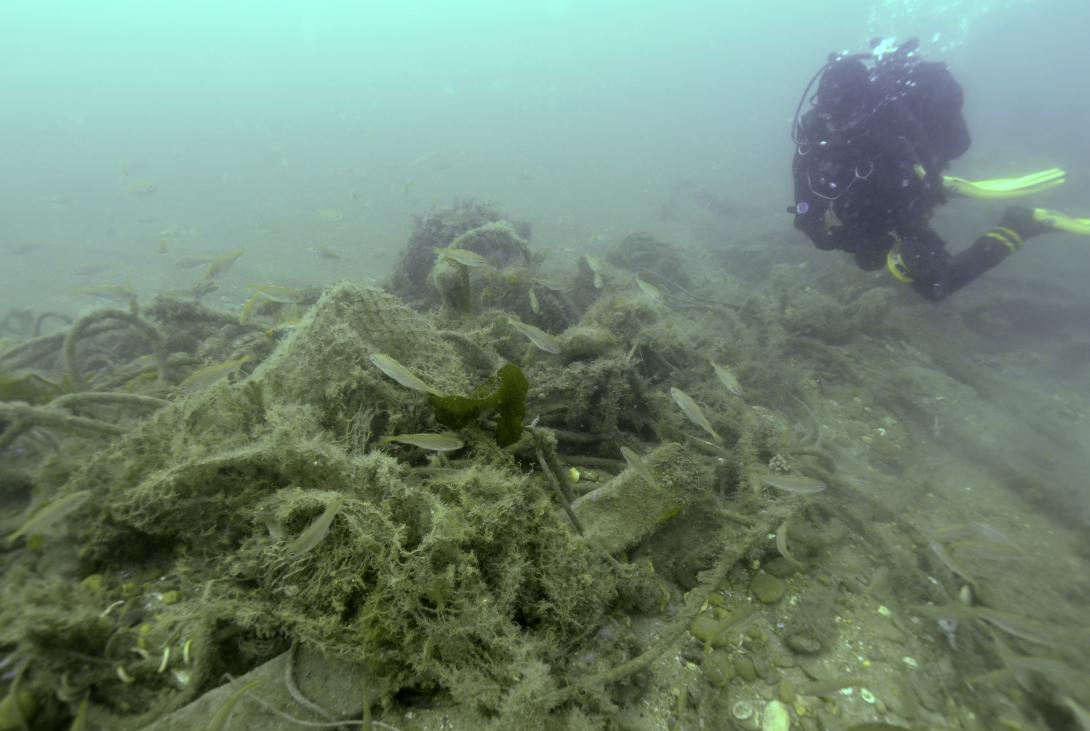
(248, 517)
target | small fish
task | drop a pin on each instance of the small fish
(794, 483)
(318, 529)
(142, 189)
(190, 262)
(324, 252)
(19, 249)
(52, 512)
(276, 293)
(465, 257)
(948, 561)
(432, 442)
(223, 713)
(90, 269)
(535, 306)
(249, 306)
(596, 268)
(728, 379)
(1013, 624)
(112, 292)
(639, 466)
(549, 284)
(781, 545)
(1081, 714)
(401, 374)
(653, 292)
(332, 215)
(222, 263)
(693, 412)
(541, 339)
(204, 377)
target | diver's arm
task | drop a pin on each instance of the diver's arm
(810, 211)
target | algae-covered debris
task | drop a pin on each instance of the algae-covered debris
(241, 520)
(28, 387)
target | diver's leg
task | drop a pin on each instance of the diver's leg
(936, 274)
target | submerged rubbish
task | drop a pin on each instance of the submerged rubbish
(693, 412)
(541, 339)
(401, 374)
(433, 442)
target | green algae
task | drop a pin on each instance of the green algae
(504, 393)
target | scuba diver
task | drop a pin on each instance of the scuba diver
(868, 169)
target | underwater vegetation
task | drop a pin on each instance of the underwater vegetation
(475, 498)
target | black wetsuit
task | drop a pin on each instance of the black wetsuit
(868, 177)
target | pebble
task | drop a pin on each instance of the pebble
(804, 644)
(776, 717)
(744, 667)
(767, 588)
(718, 669)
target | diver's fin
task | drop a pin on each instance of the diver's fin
(1003, 188)
(1062, 222)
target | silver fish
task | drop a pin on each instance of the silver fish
(653, 292)
(693, 412)
(541, 339)
(595, 265)
(728, 379)
(401, 374)
(794, 483)
(51, 512)
(316, 532)
(432, 442)
(639, 466)
(465, 257)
